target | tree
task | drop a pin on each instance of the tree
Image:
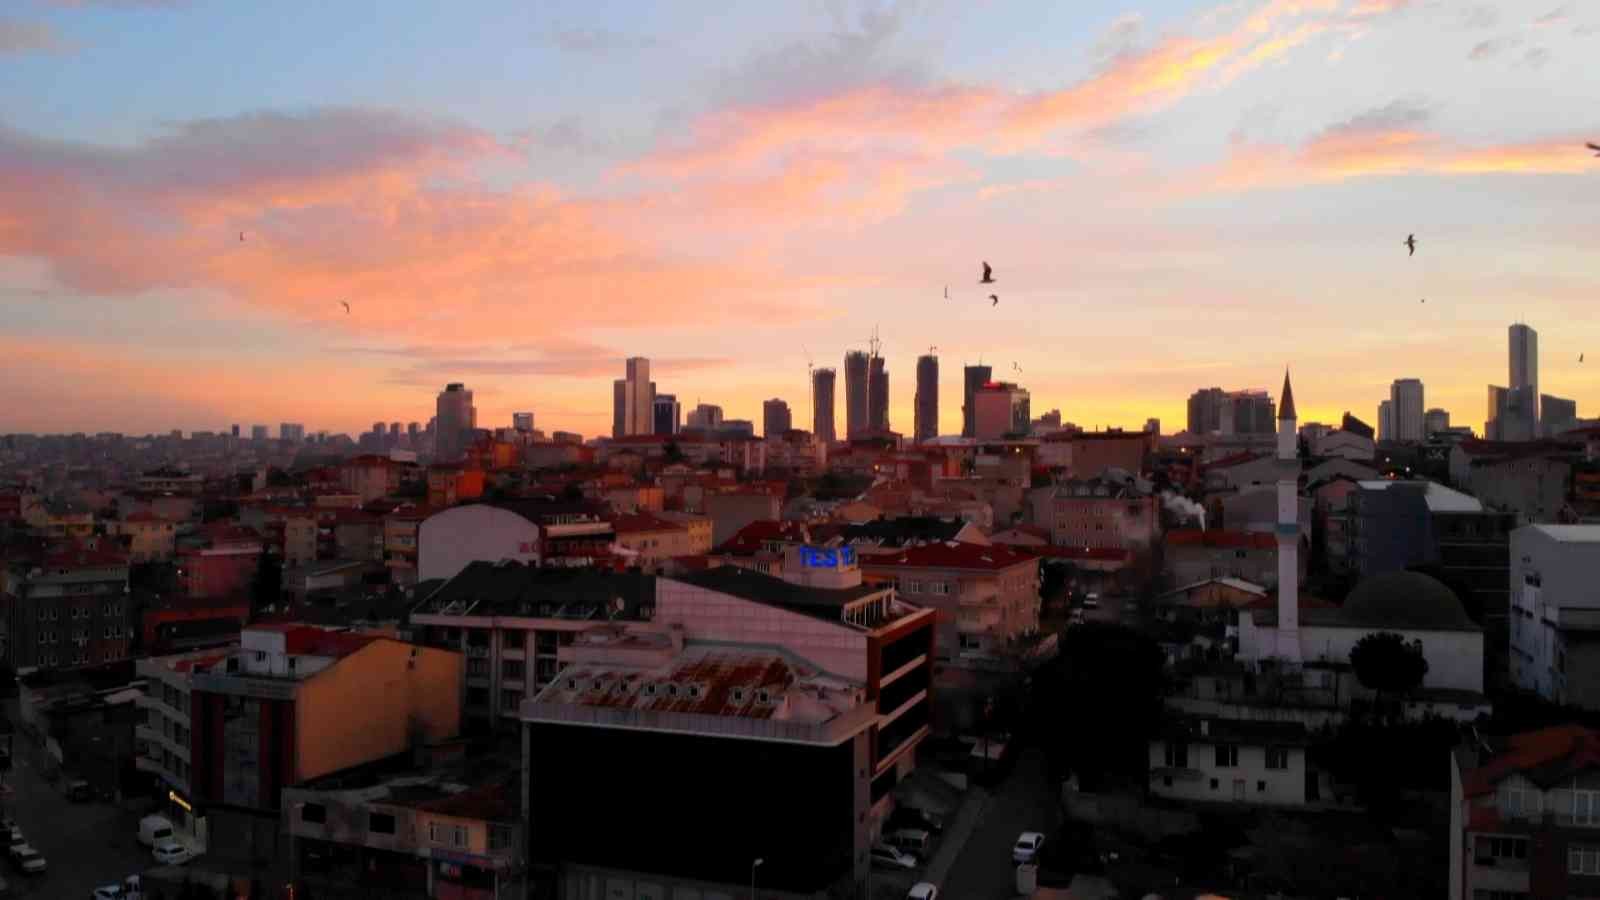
(674, 453)
(1385, 663)
(1109, 675)
(266, 588)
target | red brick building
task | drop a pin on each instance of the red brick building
(223, 566)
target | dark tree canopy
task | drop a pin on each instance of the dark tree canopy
(1109, 675)
(266, 588)
(1385, 663)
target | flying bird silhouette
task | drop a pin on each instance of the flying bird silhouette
(346, 307)
(1016, 368)
(988, 275)
(1424, 299)
(947, 292)
(1580, 357)
(1593, 146)
(1411, 242)
(995, 299)
(241, 237)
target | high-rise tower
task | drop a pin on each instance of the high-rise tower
(1288, 528)
(927, 403)
(855, 394)
(973, 378)
(822, 381)
(456, 418)
(877, 397)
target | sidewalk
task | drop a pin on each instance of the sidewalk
(965, 822)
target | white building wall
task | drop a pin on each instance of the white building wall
(449, 540)
(1249, 782)
(1455, 658)
(710, 616)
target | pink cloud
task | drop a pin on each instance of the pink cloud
(375, 208)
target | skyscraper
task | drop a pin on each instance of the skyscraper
(1386, 420)
(1247, 412)
(1524, 357)
(877, 397)
(1519, 416)
(1557, 414)
(456, 418)
(258, 432)
(775, 418)
(822, 381)
(855, 394)
(1495, 415)
(1435, 421)
(522, 421)
(291, 432)
(1406, 401)
(414, 435)
(972, 378)
(1205, 410)
(927, 401)
(669, 414)
(705, 417)
(619, 407)
(638, 398)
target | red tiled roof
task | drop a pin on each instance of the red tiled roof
(953, 555)
(750, 538)
(304, 640)
(643, 521)
(1103, 554)
(1217, 537)
(189, 665)
(1540, 755)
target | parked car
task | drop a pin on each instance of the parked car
(15, 842)
(1027, 847)
(891, 858)
(127, 889)
(153, 830)
(915, 817)
(28, 860)
(922, 890)
(172, 853)
(916, 841)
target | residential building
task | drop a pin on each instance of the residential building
(1098, 512)
(450, 828)
(1247, 412)
(516, 530)
(1205, 411)
(1194, 555)
(455, 418)
(775, 418)
(739, 675)
(66, 608)
(164, 736)
(856, 421)
(668, 414)
(822, 405)
(369, 476)
(1523, 812)
(647, 540)
(972, 378)
(521, 421)
(148, 537)
(1556, 415)
(1091, 453)
(296, 702)
(927, 399)
(1394, 525)
(732, 510)
(1001, 410)
(222, 564)
(509, 620)
(1406, 402)
(292, 433)
(1555, 613)
(1209, 760)
(168, 480)
(1531, 479)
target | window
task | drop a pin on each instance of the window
(971, 642)
(380, 823)
(1585, 807)
(1261, 787)
(500, 837)
(1516, 803)
(1227, 756)
(513, 669)
(261, 656)
(913, 587)
(510, 700)
(315, 813)
(1583, 859)
(1505, 852)
(1177, 755)
(942, 588)
(1213, 784)
(1277, 757)
(478, 667)
(453, 835)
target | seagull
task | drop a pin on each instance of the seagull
(346, 306)
(995, 299)
(1593, 146)
(1580, 357)
(988, 275)
(947, 292)
(241, 237)
(1411, 241)
(1016, 367)
(1424, 299)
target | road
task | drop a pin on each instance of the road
(85, 844)
(1025, 801)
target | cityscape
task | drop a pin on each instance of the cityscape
(1178, 500)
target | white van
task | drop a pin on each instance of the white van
(154, 829)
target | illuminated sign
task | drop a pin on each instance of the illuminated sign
(814, 558)
(173, 796)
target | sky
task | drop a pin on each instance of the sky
(1173, 195)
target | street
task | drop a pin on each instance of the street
(1025, 801)
(84, 844)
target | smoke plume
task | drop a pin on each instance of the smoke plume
(1184, 508)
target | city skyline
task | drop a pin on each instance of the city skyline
(805, 175)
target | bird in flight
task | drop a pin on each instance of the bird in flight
(1424, 299)
(995, 299)
(241, 237)
(1580, 357)
(988, 275)
(346, 306)
(947, 292)
(1016, 368)
(1411, 242)
(1593, 146)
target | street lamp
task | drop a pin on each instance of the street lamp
(753, 866)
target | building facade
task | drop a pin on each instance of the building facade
(1406, 401)
(1001, 409)
(1555, 613)
(972, 378)
(856, 380)
(454, 420)
(668, 414)
(71, 609)
(775, 418)
(927, 400)
(822, 385)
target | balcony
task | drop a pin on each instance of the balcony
(477, 652)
